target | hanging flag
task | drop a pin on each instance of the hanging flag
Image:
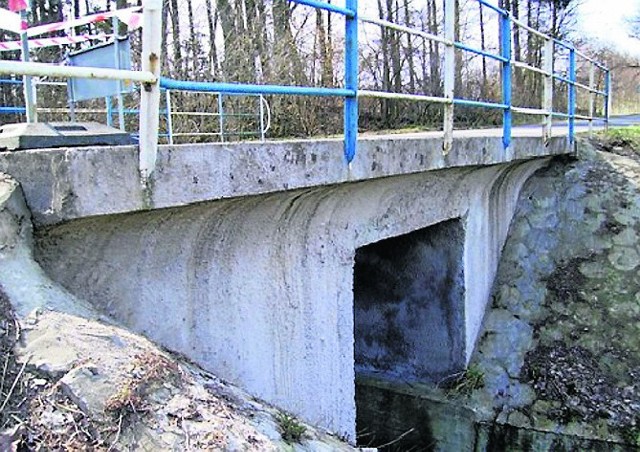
(18, 5)
(10, 21)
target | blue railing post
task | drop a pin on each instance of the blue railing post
(572, 94)
(607, 98)
(505, 50)
(107, 102)
(351, 81)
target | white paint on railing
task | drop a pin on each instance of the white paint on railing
(46, 69)
(449, 73)
(150, 92)
(592, 95)
(547, 94)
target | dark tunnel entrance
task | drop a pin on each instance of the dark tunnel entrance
(408, 325)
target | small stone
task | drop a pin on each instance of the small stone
(38, 382)
(624, 259)
(518, 419)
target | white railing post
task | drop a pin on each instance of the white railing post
(28, 86)
(547, 94)
(150, 92)
(592, 95)
(449, 72)
(167, 94)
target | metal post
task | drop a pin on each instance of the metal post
(572, 94)
(221, 117)
(351, 82)
(167, 94)
(261, 100)
(547, 95)
(449, 72)
(116, 46)
(607, 99)
(505, 41)
(107, 102)
(30, 104)
(150, 92)
(592, 95)
(71, 101)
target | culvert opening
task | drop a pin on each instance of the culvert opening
(408, 328)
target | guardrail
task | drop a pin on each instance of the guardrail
(150, 94)
(262, 115)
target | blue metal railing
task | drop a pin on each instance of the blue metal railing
(263, 114)
(350, 91)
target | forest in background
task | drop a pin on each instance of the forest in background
(278, 42)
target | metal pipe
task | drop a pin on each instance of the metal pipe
(150, 94)
(493, 7)
(167, 94)
(547, 93)
(607, 99)
(592, 96)
(402, 28)
(107, 102)
(479, 103)
(402, 96)
(45, 69)
(29, 98)
(505, 39)
(260, 101)
(347, 12)
(522, 65)
(449, 74)
(462, 46)
(351, 82)
(116, 47)
(572, 94)
(246, 88)
(221, 117)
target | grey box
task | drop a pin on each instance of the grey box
(39, 135)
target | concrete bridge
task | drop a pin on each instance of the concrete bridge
(277, 266)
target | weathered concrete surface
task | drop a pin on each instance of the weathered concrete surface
(559, 349)
(260, 289)
(21, 278)
(84, 384)
(65, 184)
(241, 256)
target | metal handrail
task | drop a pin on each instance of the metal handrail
(149, 76)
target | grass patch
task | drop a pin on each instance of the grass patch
(292, 431)
(464, 383)
(622, 137)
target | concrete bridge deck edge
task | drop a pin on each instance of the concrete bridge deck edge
(71, 183)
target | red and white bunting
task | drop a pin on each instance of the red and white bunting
(10, 21)
(50, 42)
(129, 16)
(17, 5)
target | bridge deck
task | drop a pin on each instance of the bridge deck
(68, 183)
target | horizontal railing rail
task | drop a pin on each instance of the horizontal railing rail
(262, 115)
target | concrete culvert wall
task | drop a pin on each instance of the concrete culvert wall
(259, 289)
(409, 304)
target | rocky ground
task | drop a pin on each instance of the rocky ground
(78, 384)
(560, 350)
